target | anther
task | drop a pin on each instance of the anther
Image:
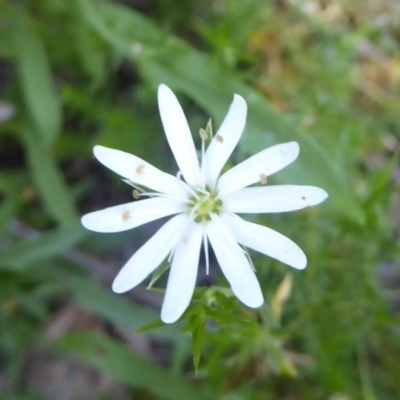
(126, 215)
(203, 134)
(139, 169)
(263, 179)
(136, 194)
(219, 139)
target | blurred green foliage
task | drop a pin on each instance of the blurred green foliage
(85, 72)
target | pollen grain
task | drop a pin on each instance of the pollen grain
(126, 215)
(140, 169)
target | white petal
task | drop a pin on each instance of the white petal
(234, 264)
(266, 163)
(127, 216)
(226, 139)
(271, 199)
(178, 135)
(139, 171)
(182, 276)
(265, 240)
(150, 255)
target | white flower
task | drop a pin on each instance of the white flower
(205, 206)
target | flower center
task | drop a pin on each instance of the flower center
(204, 205)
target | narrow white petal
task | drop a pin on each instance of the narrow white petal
(183, 273)
(150, 255)
(266, 163)
(266, 241)
(178, 135)
(226, 139)
(234, 264)
(272, 199)
(139, 171)
(127, 216)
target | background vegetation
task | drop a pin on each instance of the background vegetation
(73, 74)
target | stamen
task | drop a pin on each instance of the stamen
(193, 193)
(202, 166)
(203, 134)
(219, 139)
(263, 179)
(206, 256)
(205, 192)
(140, 192)
(194, 210)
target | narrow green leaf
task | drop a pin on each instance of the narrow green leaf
(198, 329)
(381, 179)
(212, 87)
(150, 326)
(9, 198)
(196, 324)
(36, 79)
(49, 180)
(128, 367)
(224, 316)
(120, 310)
(51, 244)
(112, 22)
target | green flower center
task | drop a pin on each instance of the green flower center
(204, 205)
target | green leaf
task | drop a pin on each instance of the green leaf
(112, 22)
(128, 367)
(381, 179)
(36, 79)
(51, 244)
(49, 180)
(224, 316)
(8, 205)
(121, 311)
(150, 326)
(198, 325)
(212, 87)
